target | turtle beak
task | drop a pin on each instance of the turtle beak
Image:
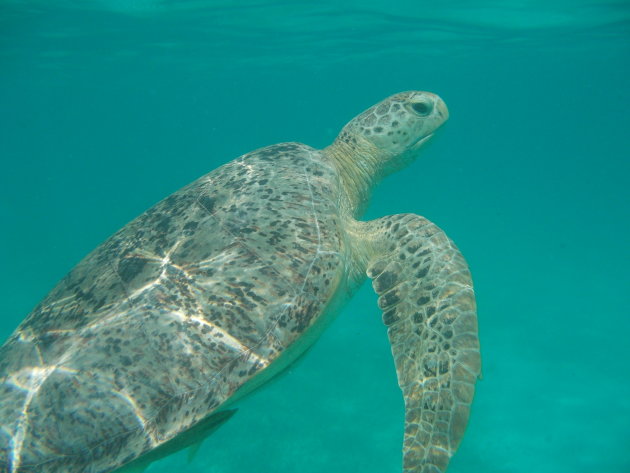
(441, 109)
(418, 144)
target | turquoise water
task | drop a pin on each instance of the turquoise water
(108, 106)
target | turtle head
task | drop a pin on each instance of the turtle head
(384, 139)
(396, 128)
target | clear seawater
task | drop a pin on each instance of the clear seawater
(107, 106)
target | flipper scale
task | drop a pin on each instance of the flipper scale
(426, 294)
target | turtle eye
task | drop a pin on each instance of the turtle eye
(422, 108)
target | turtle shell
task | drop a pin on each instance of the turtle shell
(163, 322)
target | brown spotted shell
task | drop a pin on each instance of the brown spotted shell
(171, 315)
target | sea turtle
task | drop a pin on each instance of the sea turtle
(146, 344)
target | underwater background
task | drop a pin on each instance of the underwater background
(107, 106)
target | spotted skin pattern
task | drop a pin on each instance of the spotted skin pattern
(377, 123)
(425, 292)
(169, 317)
(199, 299)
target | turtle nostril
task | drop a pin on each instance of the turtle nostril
(442, 109)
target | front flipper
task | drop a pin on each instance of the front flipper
(425, 292)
